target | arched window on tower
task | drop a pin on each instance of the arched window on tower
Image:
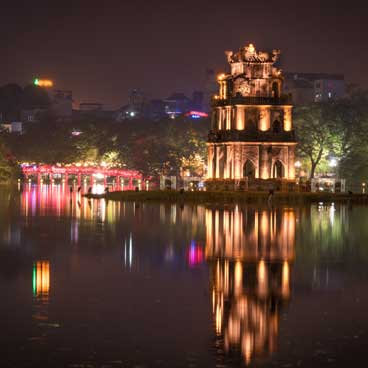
(276, 126)
(221, 166)
(213, 166)
(230, 169)
(224, 116)
(251, 125)
(275, 90)
(278, 171)
(249, 170)
(214, 119)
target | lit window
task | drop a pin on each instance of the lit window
(329, 95)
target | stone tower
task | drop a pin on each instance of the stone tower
(251, 141)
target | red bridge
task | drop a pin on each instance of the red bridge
(124, 177)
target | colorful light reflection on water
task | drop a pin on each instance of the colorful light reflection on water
(90, 282)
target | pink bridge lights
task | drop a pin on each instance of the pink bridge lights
(129, 178)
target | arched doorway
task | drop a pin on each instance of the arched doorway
(276, 126)
(278, 170)
(249, 170)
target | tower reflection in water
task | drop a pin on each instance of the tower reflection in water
(41, 290)
(250, 252)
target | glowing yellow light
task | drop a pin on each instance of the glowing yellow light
(218, 319)
(247, 347)
(41, 278)
(43, 82)
(262, 279)
(238, 277)
(287, 119)
(221, 76)
(251, 48)
(285, 280)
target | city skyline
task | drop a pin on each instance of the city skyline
(103, 53)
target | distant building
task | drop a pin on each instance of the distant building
(93, 110)
(210, 89)
(31, 115)
(177, 104)
(62, 104)
(155, 109)
(314, 87)
(136, 107)
(197, 101)
(90, 106)
(6, 116)
(15, 127)
(137, 101)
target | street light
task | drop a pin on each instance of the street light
(297, 165)
(332, 162)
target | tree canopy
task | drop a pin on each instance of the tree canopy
(167, 146)
(335, 130)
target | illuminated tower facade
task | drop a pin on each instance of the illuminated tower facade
(251, 138)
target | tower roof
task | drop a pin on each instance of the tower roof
(249, 54)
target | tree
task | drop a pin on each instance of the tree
(352, 117)
(316, 134)
(8, 168)
(336, 129)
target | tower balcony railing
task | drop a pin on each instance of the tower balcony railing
(249, 135)
(253, 100)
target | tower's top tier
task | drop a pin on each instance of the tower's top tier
(249, 54)
(252, 74)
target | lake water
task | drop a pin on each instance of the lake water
(95, 284)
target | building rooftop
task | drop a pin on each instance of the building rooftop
(313, 76)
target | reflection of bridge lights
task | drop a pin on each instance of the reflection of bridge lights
(41, 278)
(195, 256)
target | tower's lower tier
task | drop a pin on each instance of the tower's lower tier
(251, 160)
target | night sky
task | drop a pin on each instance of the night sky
(103, 49)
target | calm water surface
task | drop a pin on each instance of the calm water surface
(95, 284)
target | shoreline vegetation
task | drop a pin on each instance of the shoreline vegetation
(231, 197)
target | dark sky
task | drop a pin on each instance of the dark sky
(103, 49)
